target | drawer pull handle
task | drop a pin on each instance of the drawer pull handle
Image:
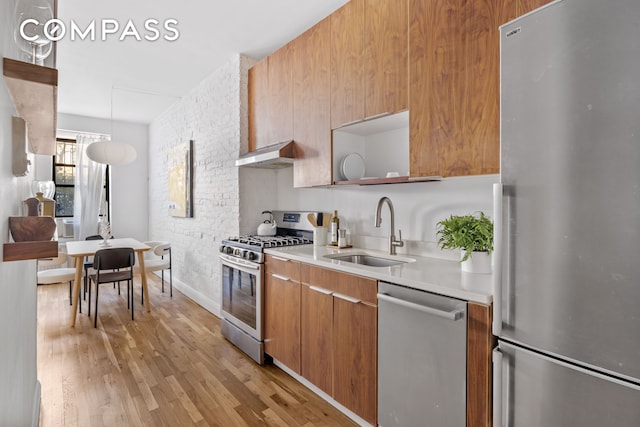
(277, 276)
(277, 258)
(321, 290)
(347, 298)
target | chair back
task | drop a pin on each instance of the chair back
(94, 237)
(53, 261)
(114, 258)
(162, 249)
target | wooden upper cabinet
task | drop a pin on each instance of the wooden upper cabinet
(386, 56)
(347, 64)
(281, 95)
(311, 106)
(454, 77)
(526, 6)
(258, 93)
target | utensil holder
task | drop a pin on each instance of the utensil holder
(320, 236)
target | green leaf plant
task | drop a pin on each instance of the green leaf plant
(467, 232)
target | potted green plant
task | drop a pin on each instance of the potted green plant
(473, 234)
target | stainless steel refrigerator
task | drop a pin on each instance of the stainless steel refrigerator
(567, 214)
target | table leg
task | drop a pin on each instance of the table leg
(77, 285)
(143, 278)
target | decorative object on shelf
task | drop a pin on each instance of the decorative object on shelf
(34, 91)
(105, 231)
(32, 207)
(180, 165)
(47, 188)
(352, 166)
(20, 159)
(32, 228)
(109, 152)
(473, 235)
(48, 205)
(30, 18)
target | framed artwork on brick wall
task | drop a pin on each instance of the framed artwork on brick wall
(180, 165)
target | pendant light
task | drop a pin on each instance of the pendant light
(109, 152)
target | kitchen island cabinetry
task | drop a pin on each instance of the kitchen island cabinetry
(282, 311)
(311, 106)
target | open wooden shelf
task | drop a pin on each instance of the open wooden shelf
(393, 180)
(29, 250)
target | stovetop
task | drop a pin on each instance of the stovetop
(262, 242)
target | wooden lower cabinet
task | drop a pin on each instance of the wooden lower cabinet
(282, 312)
(323, 325)
(355, 355)
(317, 337)
(339, 337)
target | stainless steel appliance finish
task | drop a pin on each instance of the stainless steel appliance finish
(422, 358)
(242, 261)
(568, 216)
(275, 156)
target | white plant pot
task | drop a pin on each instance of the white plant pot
(478, 262)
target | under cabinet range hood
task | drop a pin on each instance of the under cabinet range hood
(273, 156)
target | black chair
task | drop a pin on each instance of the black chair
(87, 266)
(113, 265)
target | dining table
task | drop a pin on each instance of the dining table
(79, 249)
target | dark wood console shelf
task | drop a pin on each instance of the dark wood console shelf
(20, 251)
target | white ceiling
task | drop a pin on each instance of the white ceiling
(144, 77)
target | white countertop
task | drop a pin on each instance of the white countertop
(425, 273)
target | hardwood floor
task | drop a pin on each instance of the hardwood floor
(170, 367)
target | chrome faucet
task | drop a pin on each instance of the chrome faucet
(393, 243)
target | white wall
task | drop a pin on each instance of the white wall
(19, 388)
(418, 207)
(213, 115)
(129, 183)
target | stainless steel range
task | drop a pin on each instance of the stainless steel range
(242, 260)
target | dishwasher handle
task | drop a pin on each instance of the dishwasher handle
(454, 315)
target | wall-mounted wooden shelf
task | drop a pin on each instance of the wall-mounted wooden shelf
(390, 180)
(34, 90)
(29, 250)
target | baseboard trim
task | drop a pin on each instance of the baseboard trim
(35, 411)
(198, 297)
(355, 418)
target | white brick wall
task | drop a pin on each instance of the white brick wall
(214, 116)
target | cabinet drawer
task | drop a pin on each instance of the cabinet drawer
(282, 267)
(358, 287)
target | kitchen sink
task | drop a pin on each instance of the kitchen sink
(369, 260)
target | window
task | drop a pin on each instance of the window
(64, 173)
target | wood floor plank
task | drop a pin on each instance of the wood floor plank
(169, 367)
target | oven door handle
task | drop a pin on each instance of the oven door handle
(239, 264)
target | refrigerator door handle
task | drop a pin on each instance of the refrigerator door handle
(498, 253)
(497, 388)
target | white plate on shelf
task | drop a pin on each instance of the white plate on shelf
(352, 166)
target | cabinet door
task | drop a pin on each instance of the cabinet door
(347, 64)
(454, 79)
(282, 320)
(258, 92)
(281, 95)
(355, 335)
(311, 107)
(386, 57)
(526, 6)
(317, 337)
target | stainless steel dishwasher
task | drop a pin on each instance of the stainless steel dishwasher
(422, 358)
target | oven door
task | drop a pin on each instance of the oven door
(242, 294)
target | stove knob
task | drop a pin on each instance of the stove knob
(248, 255)
(227, 250)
